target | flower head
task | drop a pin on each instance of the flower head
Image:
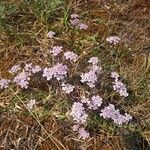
(83, 26)
(78, 113)
(94, 60)
(74, 22)
(28, 67)
(67, 88)
(58, 71)
(114, 114)
(115, 75)
(4, 83)
(90, 78)
(71, 56)
(31, 103)
(120, 88)
(56, 50)
(15, 68)
(95, 102)
(22, 79)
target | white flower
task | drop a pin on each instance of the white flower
(83, 26)
(94, 60)
(113, 39)
(28, 67)
(67, 88)
(31, 103)
(115, 75)
(56, 50)
(51, 34)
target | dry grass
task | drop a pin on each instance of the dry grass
(23, 39)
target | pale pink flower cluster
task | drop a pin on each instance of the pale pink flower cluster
(71, 56)
(77, 23)
(91, 77)
(113, 40)
(31, 104)
(50, 34)
(78, 113)
(56, 50)
(110, 112)
(95, 102)
(67, 88)
(118, 86)
(80, 117)
(59, 71)
(14, 69)
(22, 79)
(4, 83)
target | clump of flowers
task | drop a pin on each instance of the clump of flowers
(83, 105)
(113, 40)
(67, 88)
(71, 56)
(50, 34)
(78, 113)
(91, 77)
(110, 112)
(59, 71)
(118, 86)
(56, 50)
(4, 83)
